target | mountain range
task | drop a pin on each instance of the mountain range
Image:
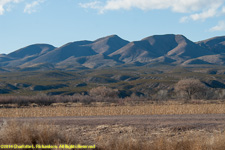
(112, 51)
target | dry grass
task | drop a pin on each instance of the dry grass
(187, 142)
(45, 134)
(150, 109)
(32, 134)
(164, 144)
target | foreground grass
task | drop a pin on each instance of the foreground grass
(149, 109)
(12, 133)
(45, 134)
(200, 143)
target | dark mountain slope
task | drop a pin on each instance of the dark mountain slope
(94, 61)
(24, 55)
(187, 49)
(172, 46)
(162, 44)
(135, 51)
(4, 57)
(216, 44)
(36, 49)
(75, 49)
(217, 59)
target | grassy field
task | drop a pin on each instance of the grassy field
(200, 143)
(109, 137)
(148, 109)
(44, 134)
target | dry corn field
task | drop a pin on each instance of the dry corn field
(150, 109)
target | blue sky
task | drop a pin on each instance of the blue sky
(56, 22)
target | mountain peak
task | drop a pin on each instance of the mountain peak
(35, 49)
(108, 44)
(114, 36)
(163, 36)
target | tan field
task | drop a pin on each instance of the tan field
(180, 134)
(148, 109)
(113, 137)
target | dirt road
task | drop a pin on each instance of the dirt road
(189, 121)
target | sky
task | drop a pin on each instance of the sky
(57, 22)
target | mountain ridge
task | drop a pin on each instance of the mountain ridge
(112, 50)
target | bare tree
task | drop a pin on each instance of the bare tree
(190, 88)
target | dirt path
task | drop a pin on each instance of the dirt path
(192, 121)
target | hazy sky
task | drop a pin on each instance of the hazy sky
(56, 22)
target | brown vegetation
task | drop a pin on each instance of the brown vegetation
(190, 88)
(150, 109)
(32, 134)
(199, 143)
(104, 92)
(39, 133)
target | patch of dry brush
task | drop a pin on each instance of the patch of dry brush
(45, 134)
(19, 133)
(162, 143)
(150, 109)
